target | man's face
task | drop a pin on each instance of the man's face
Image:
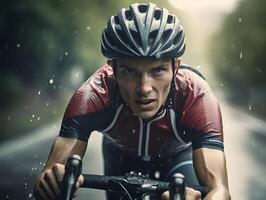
(144, 84)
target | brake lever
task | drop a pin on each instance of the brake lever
(72, 172)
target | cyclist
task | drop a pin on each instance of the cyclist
(158, 116)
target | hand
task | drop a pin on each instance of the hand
(48, 185)
(191, 194)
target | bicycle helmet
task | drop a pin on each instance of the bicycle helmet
(143, 30)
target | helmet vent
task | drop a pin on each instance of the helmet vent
(165, 36)
(129, 15)
(143, 8)
(157, 14)
(170, 19)
(178, 37)
(116, 20)
(152, 35)
(136, 37)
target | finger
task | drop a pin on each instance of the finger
(39, 194)
(192, 194)
(80, 181)
(46, 191)
(75, 194)
(165, 196)
(50, 178)
(45, 185)
(59, 171)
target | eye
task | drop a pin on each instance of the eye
(158, 71)
(129, 72)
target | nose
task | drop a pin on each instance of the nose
(144, 86)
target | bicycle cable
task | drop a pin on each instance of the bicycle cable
(123, 187)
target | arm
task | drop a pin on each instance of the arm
(210, 167)
(48, 183)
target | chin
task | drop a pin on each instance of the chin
(145, 115)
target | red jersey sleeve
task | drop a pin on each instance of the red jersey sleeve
(201, 118)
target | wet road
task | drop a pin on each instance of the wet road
(21, 160)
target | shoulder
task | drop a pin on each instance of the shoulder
(190, 80)
(94, 94)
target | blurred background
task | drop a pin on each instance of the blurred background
(48, 48)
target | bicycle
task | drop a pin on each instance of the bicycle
(133, 185)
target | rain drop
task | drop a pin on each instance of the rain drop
(76, 32)
(222, 84)
(8, 118)
(47, 103)
(157, 174)
(66, 53)
(18, 45)
(39, 92)
(249, 107)
(239, 19)
(38, 118)
(88, 28)
(51, 81)
(33, 115)
(241, 55)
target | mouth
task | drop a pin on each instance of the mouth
(145, 103)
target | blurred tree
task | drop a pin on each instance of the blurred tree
(44, 45)
(238, 54)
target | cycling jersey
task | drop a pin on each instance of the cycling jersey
(191, 116)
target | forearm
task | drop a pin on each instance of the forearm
(63, 148)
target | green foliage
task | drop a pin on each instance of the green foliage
(238, 53)
(44, 40)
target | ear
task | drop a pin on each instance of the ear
(177, 62)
